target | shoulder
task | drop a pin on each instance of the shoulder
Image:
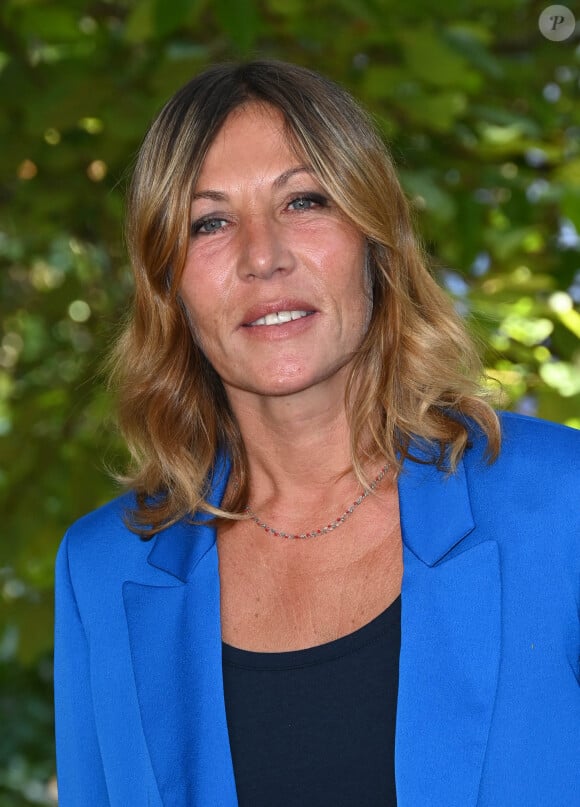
(102, 538)
(106, 525)
(532, 445)
(536, 476)
(539, 435)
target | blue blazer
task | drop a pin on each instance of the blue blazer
(489, 698)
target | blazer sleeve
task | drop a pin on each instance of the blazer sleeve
(80, 774)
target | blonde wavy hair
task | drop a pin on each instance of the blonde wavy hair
(416, 377)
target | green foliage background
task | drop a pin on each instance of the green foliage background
(483, 119)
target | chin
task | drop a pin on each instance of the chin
(267, 383)
(283, 386)
(270, 384)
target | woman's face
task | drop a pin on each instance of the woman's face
(274, 281)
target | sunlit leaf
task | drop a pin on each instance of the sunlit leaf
(527, 330)
(562, 376)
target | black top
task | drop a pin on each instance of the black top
(316, 727)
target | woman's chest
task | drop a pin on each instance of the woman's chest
(272, 602)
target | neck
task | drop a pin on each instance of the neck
(298, 449)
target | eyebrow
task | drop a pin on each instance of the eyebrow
(279, 182)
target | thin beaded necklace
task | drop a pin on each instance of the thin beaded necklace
(329, 527)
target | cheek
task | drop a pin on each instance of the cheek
(365, 314)
(198, 317)
(360, 288)
(191, 321)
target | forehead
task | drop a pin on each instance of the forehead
(254, 139)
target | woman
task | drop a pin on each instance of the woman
(311, 452)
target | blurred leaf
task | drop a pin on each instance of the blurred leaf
(43, 21)
(431, 60)
(140, 25)
(562, 376)
(239, 19)
(526, 330)
(569, 172)
(169, 16)
(472, 41)
(422, 186)
(436, 111)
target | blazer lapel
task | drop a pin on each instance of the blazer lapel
(175, 640)
(450, 647)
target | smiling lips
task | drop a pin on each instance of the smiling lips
(279, 318)
(282, 311)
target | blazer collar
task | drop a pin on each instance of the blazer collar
(178, 549)
(435, 509)
(425, 494)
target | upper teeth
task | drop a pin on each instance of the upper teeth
(279, 317)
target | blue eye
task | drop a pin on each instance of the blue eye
(308, 201)
(207, 226)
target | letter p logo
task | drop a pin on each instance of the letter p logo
(557, 23)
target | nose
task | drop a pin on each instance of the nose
(263, 248)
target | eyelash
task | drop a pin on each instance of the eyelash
(196, 227)
(316, 199)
